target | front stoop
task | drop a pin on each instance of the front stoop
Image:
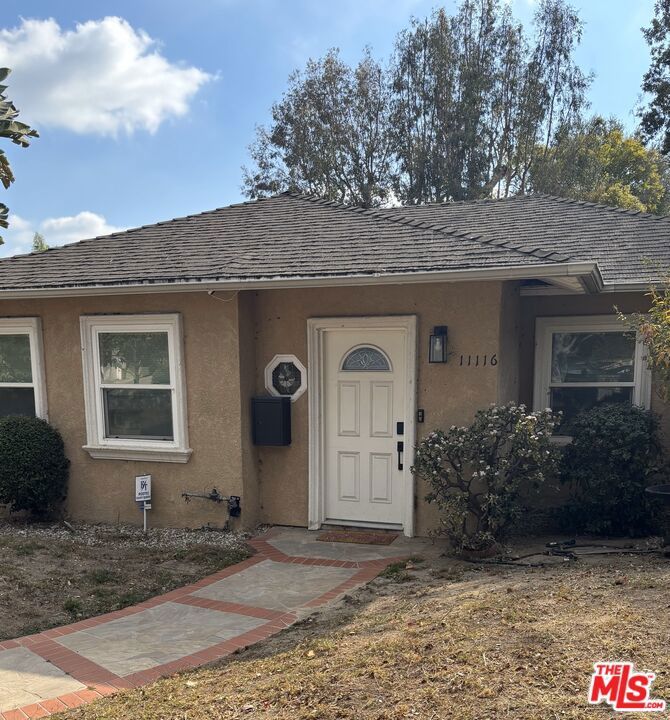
(68, 666)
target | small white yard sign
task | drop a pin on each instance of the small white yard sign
(143, 488)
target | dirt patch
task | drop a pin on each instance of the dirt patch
(50, 576)
(445, 640)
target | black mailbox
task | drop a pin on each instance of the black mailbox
(271, 420)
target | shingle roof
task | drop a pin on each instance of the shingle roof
(285, 236)
(629, 246)
(290, 236)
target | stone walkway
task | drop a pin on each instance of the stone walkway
(291, 574)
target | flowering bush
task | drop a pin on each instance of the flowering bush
(475, 473)
(654, 329)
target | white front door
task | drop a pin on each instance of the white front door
(365, 418)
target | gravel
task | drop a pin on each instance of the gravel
(96, 535)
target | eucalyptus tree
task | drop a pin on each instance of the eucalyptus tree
(655, 115)
(11, 129)
(475, 97)
(465, 106)
(330, 135)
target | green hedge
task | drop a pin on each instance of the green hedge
(33, 468)
(614, 455)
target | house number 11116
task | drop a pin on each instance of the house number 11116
(478, 360)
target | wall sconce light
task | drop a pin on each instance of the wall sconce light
(437, 352)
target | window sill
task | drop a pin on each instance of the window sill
(171, 455)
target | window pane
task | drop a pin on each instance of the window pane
(134, 358)
(138, 414)
(17, 401)
(593, 357)
(571, 401)
(365, 359)
(15, 359)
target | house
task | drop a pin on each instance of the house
(145, 347)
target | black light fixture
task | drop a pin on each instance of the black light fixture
(437, 352)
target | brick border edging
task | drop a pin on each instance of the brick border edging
(100, 682)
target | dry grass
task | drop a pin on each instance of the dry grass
(450, 643)
(49, 577)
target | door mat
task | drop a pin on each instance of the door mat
(357, 536)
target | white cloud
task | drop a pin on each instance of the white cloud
(56, 231)
(102, 77)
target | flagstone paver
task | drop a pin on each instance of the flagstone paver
(147, 639)
(291, 574)
(276, 585)
(26, 678)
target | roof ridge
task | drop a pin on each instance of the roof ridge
(553, 256)
(601, 206)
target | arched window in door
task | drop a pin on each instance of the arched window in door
(365, 358)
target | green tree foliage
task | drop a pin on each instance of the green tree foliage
(11, 129)
(655, 116)
(598, 162)
(476, 473)
(39, 243)
(463, 110)
(475, 98)
(330, 135)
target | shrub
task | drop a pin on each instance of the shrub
(654, 329)
(615, 453)
(476, 473)
(33, 466)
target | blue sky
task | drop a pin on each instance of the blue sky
(148, 116)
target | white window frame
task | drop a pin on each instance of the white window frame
(545, 327)
(99, 446)
(32, 327)
(270, 368)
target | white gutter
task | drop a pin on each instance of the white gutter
(588, 272)
(636, 286)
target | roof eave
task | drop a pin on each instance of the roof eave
(636, 286)
(587, 272)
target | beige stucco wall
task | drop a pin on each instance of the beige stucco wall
(449, 394)
(103, 490)
(226, 348)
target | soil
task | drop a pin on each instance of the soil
(50, 575)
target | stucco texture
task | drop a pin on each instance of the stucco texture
(448, 393)
(103, 490)
(228, 341)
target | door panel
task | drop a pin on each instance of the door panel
(349, 476)
(381, 478)
(381, 409)
(349, 409)
(365, 387)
